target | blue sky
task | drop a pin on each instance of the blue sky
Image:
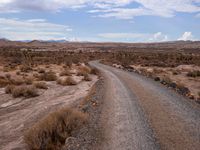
(100, 20)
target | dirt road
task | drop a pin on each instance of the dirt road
(141, 114)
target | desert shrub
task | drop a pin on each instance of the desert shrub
(175, 72)
(47, 66)
(18, 73)
(82, 70)
(157, 71)
(51, 132)
(25, 68)
(166, 80)
(94, 71)
(3, 81)
(8, 76)
(87, 77)
(41, 85)
(65, 72)
(60, 81)
(16, 81)
(68, 63)
(194, 74)
(70, 81)
(6, 69)
(37, 76)
(9, 89)
(48, 76)
(67, 81)
(81, 73)
(24, 90)
(28, 81)
(41, 70)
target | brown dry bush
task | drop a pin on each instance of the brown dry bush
(9, 67)
(82, 70)
(28, 81)
(194, 74)
(67, 81)
(166, 80)
(41, 70)
(65, 72)
(3, 81)
(25, 68)
(9, 89)
(48, 76)
(175, 72)
(94, 71)
(52, 131)
(26, 91)
(41, 85)
(87, 77)
(18, 73)
(16, 81)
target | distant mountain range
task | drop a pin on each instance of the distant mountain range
(4, 41)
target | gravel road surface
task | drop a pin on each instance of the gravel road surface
(141, 114)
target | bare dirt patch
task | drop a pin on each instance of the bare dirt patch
(17, 115)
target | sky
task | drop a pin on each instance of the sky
(100, 20)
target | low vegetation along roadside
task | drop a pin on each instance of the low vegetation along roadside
(67, 81)
(24, 81)
(22, 90)
(54, 131)
(51, 132)
(184, 79)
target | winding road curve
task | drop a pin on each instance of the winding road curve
(141, 114)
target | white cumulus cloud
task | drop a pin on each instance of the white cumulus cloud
(16, 29)
(186, 36)
(135, 37)
(121, 9)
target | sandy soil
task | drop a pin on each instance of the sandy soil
(17, 115)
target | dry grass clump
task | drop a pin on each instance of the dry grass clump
(28, 81)
(87, 77)
(26, 91)
(25, 68)
(48, 76)
(5, 69)
(18, 73)
(41, 70)
(67, 81)
(82, 70)
(194, 74)
(94, 71)
(166, 80)
(16, 81)
(9, 89)
(65, 72)
(175, 72)
(41, 85)
(7, 79)
(51, 132)
(3, 81)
